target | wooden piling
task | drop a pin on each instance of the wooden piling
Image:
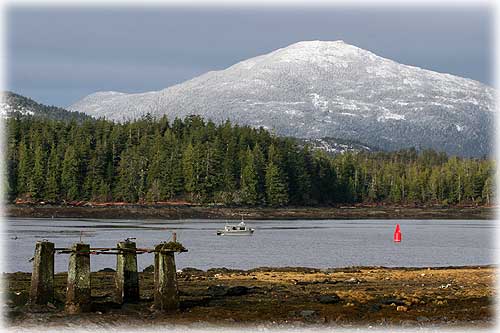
(127, 278)
(166, 295)
(78, 287)
(42, 277)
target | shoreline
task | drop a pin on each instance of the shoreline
(172, 212)
(292, 296)
(305, 269)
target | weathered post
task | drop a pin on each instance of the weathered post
(127, 278)
(78, 288)
(42, 277)
(166, 295)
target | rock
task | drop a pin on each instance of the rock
(302, 283)
(324, 281)
(308, 314)
(329, 299)
(353, 280)
(408, 323)
(107, 269)
(237, 291)
(149, 269)
(390, 301)
(375, 308)
(222, 290)
(401, 308)
(217, 290)
(17, 298)
(191, 270)
(422, 319)
(340, 318)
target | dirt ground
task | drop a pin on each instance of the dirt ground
(169, 212)
(281, 297)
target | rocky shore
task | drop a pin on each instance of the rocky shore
(174, 212)
(279, 297)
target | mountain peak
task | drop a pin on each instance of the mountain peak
(318, 46)
(322, 53)
(317, 42)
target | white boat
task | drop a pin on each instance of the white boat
(239, 229)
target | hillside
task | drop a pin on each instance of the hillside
(15, 105)
(317, 89)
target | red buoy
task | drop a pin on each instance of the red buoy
(397, 234)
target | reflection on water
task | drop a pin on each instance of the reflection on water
(319, 243)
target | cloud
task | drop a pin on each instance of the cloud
(58, 55)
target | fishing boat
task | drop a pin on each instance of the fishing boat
(240, 229)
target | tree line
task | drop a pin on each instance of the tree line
(155, 160)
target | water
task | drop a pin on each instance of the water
(317, 243)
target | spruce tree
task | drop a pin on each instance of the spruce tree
(488, 190)
(190, 170)
(24, 169)
(249, 182)
(70, 174)
(38, 176)
(260, 165)
(276, 189)
(213, 168)
(174, 173)
(53, 176)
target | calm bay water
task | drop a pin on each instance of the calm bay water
(316, 243)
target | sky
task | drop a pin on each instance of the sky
(58, 55)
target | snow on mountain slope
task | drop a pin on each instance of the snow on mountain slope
(317, 89)
(15, 105)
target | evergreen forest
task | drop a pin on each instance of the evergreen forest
(156, 160)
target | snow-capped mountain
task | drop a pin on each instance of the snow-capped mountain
(317, 89)
(9, 109)
(14, 105)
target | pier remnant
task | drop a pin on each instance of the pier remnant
(166, 294)
(42, 277)
(78, 287)
(127, 278)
